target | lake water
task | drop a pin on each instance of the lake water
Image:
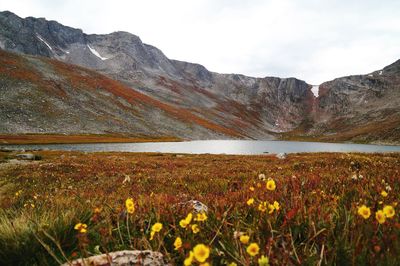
(217, 147)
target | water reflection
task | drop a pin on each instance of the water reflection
(218, 147)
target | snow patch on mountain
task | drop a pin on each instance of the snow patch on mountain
(315, 90)
(43, 41)
(96, 53)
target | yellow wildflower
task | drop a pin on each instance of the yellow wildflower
(384, 194)
(258, 185)
(81, 228)
(205, 264)
(364, 211)
(262, 207)
(250, 201)
(130, 205)
(388, 211)
(178, 243)
(276, 205)
(244, 239)
(251, 188)
(201, 252)
(201, 217)
(253, 249)
(195, 228)
(152, 233)
(271, 208)
(185, 222)
(380, 216)
(232, 264)
(97, 210)
(263, 261)
(188, 261)
(271, 184)
(157, 227)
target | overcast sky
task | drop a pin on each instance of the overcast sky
(313, 40)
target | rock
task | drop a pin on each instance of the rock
(25, 156)
(281, 155)
(123, 258)
(198, 206)
(127, 179)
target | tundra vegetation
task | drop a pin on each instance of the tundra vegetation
(308, 209)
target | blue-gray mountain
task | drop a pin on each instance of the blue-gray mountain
(359, 108)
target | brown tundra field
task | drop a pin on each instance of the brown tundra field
(306, 209)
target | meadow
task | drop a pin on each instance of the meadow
(307, 209)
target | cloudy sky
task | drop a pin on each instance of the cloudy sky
(313, 40)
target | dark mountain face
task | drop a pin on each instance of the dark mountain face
(257, 108)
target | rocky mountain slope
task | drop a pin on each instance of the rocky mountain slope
(363, 107)
(41, 95)
(246, 107)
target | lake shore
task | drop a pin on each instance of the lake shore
(78, 139)
(315, 217)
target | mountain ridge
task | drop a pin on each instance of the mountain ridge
(257, 108)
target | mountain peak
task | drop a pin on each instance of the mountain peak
(392, 68)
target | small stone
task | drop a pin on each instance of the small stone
(25, 156)
(198, 206)
(281, 155)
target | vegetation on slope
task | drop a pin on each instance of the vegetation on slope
(74, 204)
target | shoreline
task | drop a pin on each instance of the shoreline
(43, 139)
(31, 139)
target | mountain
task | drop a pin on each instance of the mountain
(246, 107)
(41, 95)
(362, 107)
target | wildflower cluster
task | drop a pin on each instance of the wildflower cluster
(200, 217)
(387, 212)
(81, 228)
(130, 205)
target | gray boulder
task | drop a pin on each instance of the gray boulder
(122, 258)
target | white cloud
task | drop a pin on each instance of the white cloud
(310, 39)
